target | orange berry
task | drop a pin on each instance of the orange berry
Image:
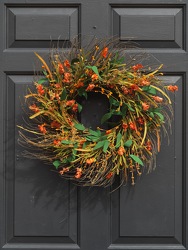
(121, 150)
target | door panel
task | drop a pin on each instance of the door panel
(39, 210)
(29, 27)
(152, 212)
(151, 27)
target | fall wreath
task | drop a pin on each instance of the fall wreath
(91, 157)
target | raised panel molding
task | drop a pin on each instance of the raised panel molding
(36, 211)
(39, 26)
(147, 215)
(155, 27)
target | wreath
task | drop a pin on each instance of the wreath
(139, 110)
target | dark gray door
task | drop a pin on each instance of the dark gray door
(38, 209)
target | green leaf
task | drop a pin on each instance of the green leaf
(92, 138)
(106, 117)
(104, 137)
(137, 159)
(117, 113)
(82, 92)
(117, 59)
(128, 143)
(118, 139)
(96, 133)
(129, 107)
(44, 72)
(85, 94)
(149, 90)
(124, 109)
(79, 107)
(160, 116)
(151, 114)
(95, 69)
(120, 60)
(79, 126)
(99, 144)
(156, 109)
(113, 102)
(105, 146)
(42, 80)
(152, 91)
(63, 95)
(85, 144)
(74, 152)
(65, 161)
(56, 164)
(66, 142)
(145, 88)
(71, 158)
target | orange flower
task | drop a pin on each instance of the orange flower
(70, 103)
(78, 173)
(55, 124)
(75, 107)
(57, 85)
(124, 126)
(56, 142)
(79, 84)
(90, 161)
(172, 88)
(64, 170)
(82, 142)
(125, 90)
(40, 89)
(57, 96)
(148, 145)
(94, 77)
(111, 86)
(137, 67)
(42, 128)
(144, 83)
(109, 175)
(157, 98)
(140, 120)
(60, 68)
(67, 77)
(70, 122)
(145, 106)
(104, 52)
(108, 132)
(34, 108)
(90, 87)
(132, 126)
(67, 64)
(89, 72)
(134, 87)
(121, 150)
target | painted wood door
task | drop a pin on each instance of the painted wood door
(39, 210)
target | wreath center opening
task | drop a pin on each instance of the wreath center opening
(93, 109)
